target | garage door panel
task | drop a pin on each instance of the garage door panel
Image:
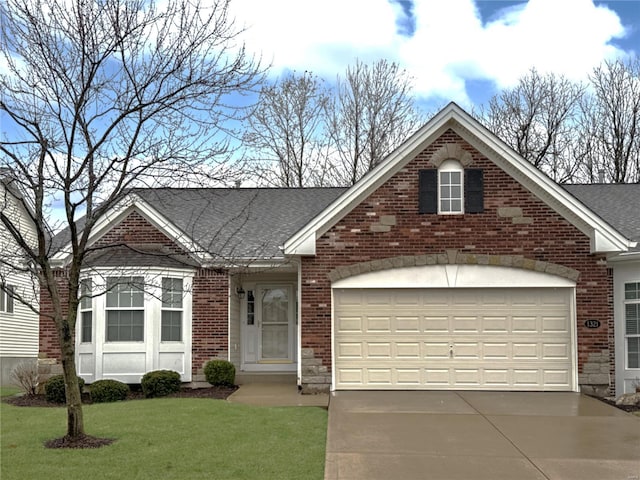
(524, 324)
(408, 324)
(378, 350)
(378, 324)
(466, 350)
(465, 324)
(559, 351)
(496, 377)
(497, 351)
(458, 338)
(560, 377)
(554, 324)
(350, 350)
(433, 324)
(350, 324)
(408, 350)
(496, 324)
(352, 375)
(379, 376)
(525, 351)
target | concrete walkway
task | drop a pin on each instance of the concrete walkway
(479, 435)
(276, 395)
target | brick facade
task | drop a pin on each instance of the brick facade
(514, 223)
(210, 318)
(209, 307)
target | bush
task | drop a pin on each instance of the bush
(160, 383)
(220, 373)
(25, 375)
(54, 389)
(103, 391)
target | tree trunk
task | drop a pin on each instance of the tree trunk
(75, 420)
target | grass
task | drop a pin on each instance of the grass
(179, 438)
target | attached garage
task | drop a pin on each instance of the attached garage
(471, 328)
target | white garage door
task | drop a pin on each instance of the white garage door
(482, 338)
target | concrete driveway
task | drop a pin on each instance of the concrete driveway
(479, 435)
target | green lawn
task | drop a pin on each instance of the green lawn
(179, 438)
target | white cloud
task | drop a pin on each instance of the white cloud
(450, 44)
(320, 36)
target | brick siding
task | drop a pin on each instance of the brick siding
(514, 222)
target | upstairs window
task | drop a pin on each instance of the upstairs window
(451, 189)
(6, 298)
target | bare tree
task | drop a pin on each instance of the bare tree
(98, 97)
(536, 118)
(285, 132)
(372, 112)
(610, 123)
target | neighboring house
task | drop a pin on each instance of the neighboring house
(18, 322)
(454, 264)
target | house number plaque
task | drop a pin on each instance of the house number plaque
(592, 323)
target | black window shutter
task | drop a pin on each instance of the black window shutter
(428, 191)
(473, 191)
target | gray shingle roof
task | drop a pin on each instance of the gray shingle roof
(241, 222)
(617, 204)
(255, 222)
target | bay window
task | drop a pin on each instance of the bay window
(132, 321)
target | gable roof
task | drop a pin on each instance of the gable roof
(215, 225)
(603, 237)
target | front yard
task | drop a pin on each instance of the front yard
(181, 438)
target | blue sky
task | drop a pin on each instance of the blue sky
(460, 50)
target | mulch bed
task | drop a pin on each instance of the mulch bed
(626, 408)
(87, 441)
(218, 393)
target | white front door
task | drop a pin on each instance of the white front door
(270, 327)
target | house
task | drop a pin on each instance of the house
(454, 264)
(18, 322)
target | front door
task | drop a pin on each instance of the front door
(270, 334)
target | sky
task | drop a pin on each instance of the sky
(455, 50)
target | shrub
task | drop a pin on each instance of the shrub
(160, 383)
(54, 389)
(220, 373)
(103, 391)
(25, 375)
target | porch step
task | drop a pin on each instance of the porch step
(265, 377)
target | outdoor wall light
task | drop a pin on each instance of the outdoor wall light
(240, 292)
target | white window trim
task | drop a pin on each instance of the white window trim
(132, 308)
(5, 296)
(85, 306)
(448, 166)
(179, 309)
(626, 335)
